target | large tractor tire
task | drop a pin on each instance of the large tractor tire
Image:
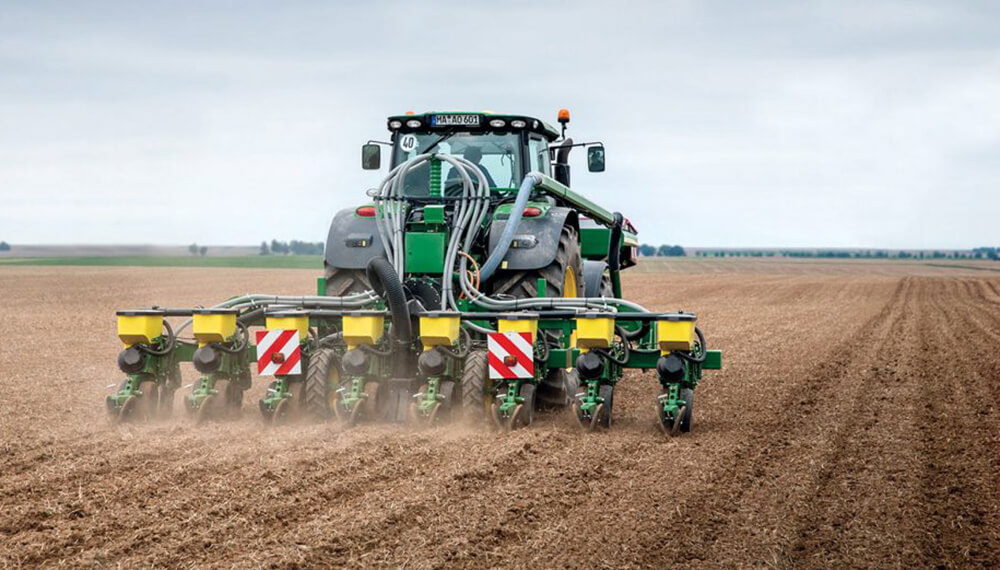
(597, 280)
(321, 379)
(566, 268)
(340, 282)
(473, 397)
(563, 278)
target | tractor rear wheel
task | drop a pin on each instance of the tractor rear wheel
(563, 278)
(340, 282)
(322, 377)
(473, 398)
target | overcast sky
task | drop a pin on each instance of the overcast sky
(726, 123)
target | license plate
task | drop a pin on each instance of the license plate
(456, 121)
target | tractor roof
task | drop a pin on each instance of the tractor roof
(469, 121)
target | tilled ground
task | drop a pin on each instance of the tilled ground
(855, 424)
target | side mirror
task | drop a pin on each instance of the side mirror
(371, 157)
(595, 159)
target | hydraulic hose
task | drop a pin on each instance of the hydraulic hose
(386, 283)
(171, 343)
(330, 339)
(701, 344)
(641, 332)
(244, 341)
(250, 316)
(471, 207)
(464, 346)
(257, 300)
(626, 348)
(523, 193)
(375, 351)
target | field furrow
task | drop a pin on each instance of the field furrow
(855, 424)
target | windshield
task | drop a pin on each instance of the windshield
(496, 154)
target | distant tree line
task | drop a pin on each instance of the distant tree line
(4, 246)
(195, 249)
(987, 252)
(647, 250)
(977, 253)
(294, 247)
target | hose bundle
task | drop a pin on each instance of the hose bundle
(470, 211)
(471, 208)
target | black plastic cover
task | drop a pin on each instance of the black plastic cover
(344, 249)
(546, 230)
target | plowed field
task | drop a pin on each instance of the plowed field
(856, 423)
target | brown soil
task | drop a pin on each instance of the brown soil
(855, 424)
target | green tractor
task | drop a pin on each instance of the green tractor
(474, 284)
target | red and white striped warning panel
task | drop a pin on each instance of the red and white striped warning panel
(278, 353)
(511, 355)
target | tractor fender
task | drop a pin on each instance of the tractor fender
(536, 240)
(352, 241)
(593, 273)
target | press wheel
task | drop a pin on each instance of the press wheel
(514, 421)
(371, 403)
(435, 412)
(205, 410)
(588, 423)
(140, 407)
(280, 414)
(595, 418)
(352, 418)
(128, 409)
(214, 405)
(676, 427)
(498, 422)
(661, 420)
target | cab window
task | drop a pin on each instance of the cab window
(538, 155)
(495, 153)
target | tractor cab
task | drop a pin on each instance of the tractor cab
(504, 147)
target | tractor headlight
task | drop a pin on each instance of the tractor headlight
(518, 124)
(498, 123)
(395, 124)
(413, 123)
